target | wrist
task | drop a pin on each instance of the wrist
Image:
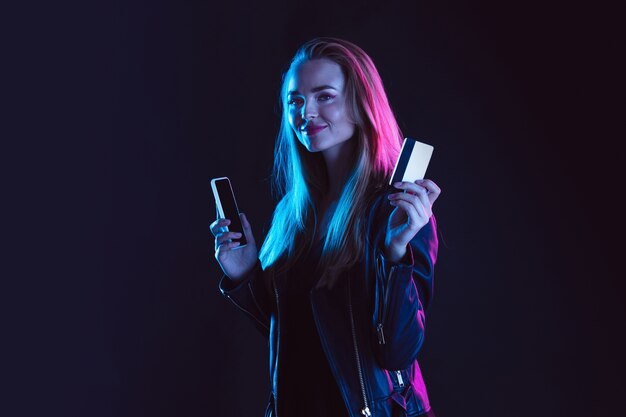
(395, 254)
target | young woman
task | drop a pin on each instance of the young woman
(344, 276)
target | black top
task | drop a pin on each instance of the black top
(306, 379)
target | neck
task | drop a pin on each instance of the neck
(338, 164)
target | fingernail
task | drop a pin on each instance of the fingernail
(397, 184)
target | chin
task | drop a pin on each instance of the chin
(317, 146)
(310, 146)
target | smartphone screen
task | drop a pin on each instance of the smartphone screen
(227, 206)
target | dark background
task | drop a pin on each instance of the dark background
(122, 112)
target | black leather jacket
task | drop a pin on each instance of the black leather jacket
(371, 324)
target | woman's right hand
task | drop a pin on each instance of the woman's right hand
(236, 262)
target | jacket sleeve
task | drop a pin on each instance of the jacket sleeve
(402, 295)
(250, 296)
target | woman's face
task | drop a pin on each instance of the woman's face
(316, 100)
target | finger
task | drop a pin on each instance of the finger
(225, 240)
(424, 202)
(220, 223)
(244, 221)
(228, 245)
(227, 237)
(422, 209)
(247, 228)
(414, 220)
(418, 196)
(225, 247)
(217, 225)
(406, 197)
(433, 189)
(416, 217)
(410, 187)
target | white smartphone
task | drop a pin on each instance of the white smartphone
(412, 162)
(227, 207)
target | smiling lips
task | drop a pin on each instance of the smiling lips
(313, 130)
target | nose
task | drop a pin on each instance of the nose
(309, 110)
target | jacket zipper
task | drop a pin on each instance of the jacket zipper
(365, 410)
(382, 303)
(381, 334)
(400, 380)
(379, 324)
(386, 305)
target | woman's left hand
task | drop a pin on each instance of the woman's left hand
(414, 207)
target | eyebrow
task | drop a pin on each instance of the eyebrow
(315, 89)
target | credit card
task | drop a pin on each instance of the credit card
(412, 162)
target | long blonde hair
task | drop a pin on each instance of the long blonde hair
(300, 178)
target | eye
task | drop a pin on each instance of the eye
(294, 101)
(325, 97)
